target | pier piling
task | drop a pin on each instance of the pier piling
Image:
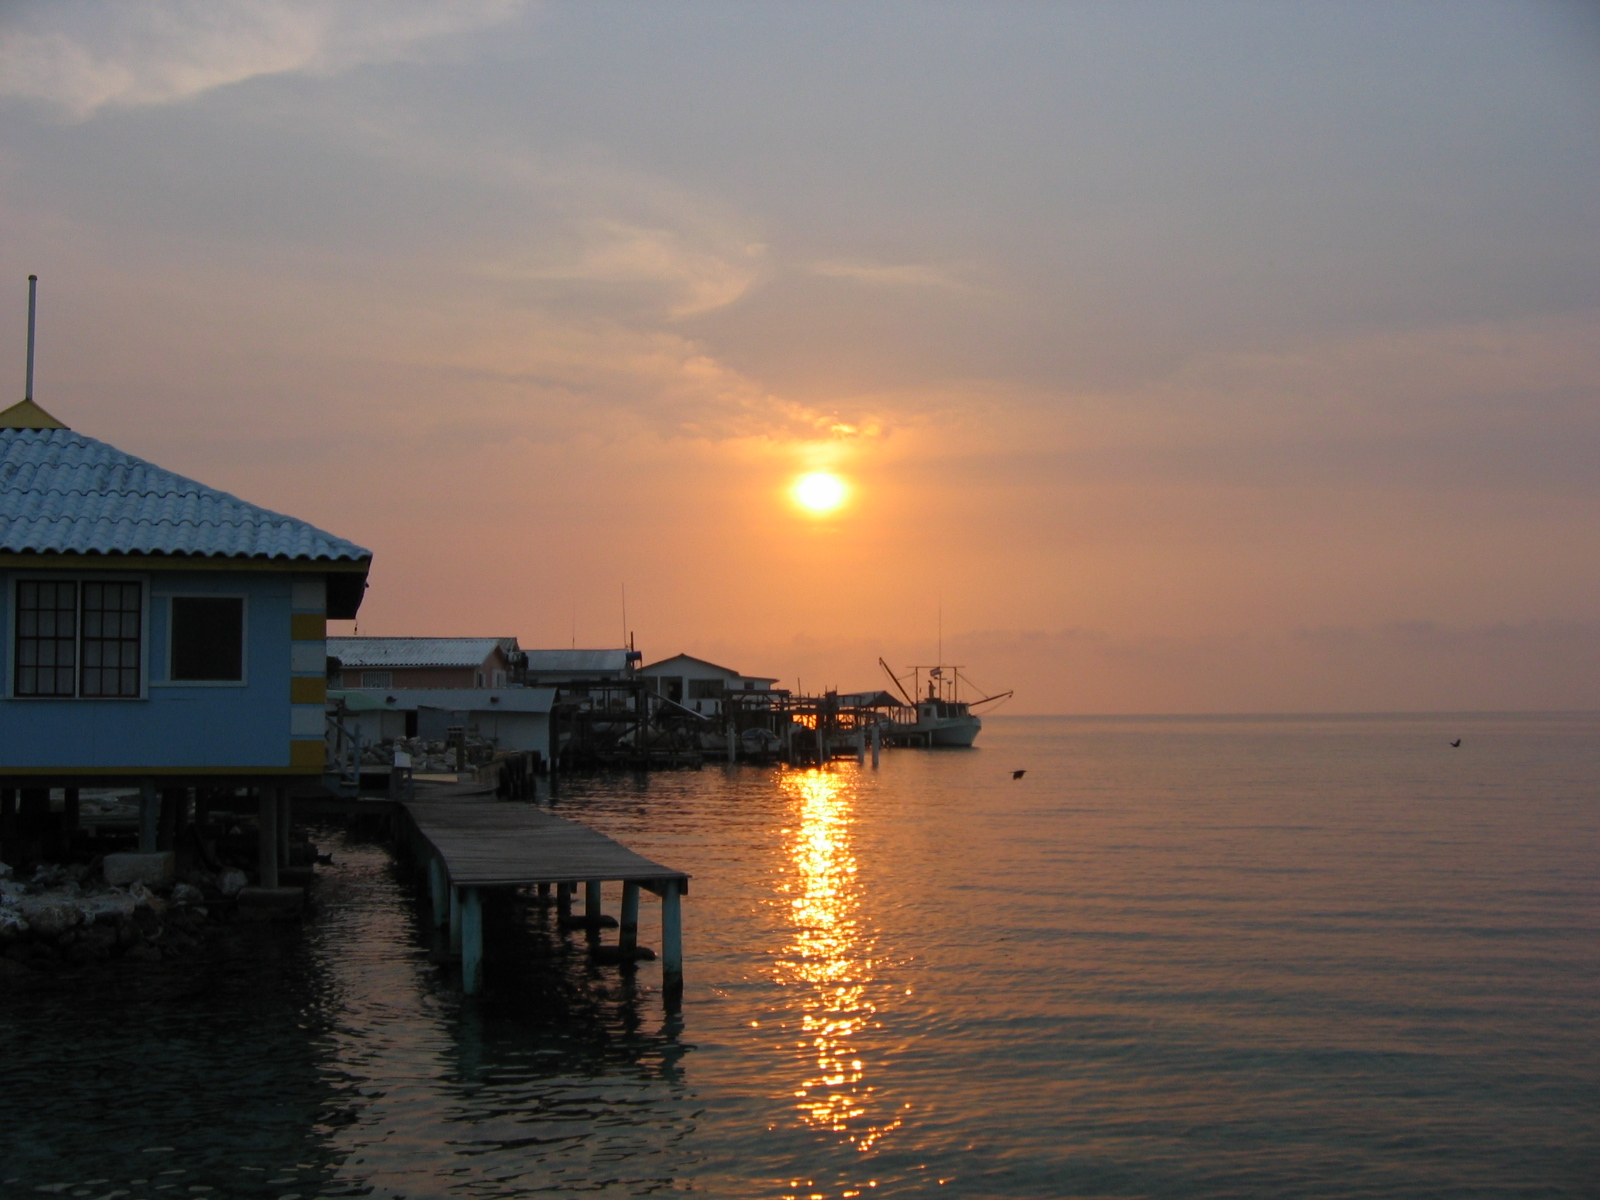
(471, 940)
(268, 820)
(149, 817)
(671, 945)
(438, 892)
(628, 929)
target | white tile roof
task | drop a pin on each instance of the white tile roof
(64, 493)
(415, 651)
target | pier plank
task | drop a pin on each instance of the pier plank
(492, 843)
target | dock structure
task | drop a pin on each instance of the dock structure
(470, 844)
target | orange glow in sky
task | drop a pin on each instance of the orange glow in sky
(819, 492)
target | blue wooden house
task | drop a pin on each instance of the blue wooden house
(154, 630)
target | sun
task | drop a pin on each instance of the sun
(819, 492)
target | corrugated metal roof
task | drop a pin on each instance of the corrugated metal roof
(64, 493)
(486, 700)
(415, 651)
(576, 662)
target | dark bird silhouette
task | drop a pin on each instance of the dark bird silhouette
(1018, 774)
(1457, 742)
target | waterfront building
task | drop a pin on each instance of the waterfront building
(156, 630)
(423, 662)
(700, 685)
(572, 669)
(516, 718)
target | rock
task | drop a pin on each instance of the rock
(104, 906)
(232, 881)
(142, 952)
(158, 869)
(49, 915)
(12, 971)
(13, 925)
(5, 871)
(143, 897)
(185, 894)
(94, 944)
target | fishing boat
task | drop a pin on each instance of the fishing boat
(938, 717)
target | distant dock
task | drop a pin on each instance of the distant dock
(470, 843)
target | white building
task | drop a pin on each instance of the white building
(700, 685)
(513, 718)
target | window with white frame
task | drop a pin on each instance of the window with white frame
(377, 679)
(82, 638)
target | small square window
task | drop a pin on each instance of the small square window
(207, 639)
(377, 679)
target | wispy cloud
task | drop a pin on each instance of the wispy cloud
(81, 57)
(914, 275)
(688, 270)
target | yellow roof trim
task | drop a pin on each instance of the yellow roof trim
(25, 414)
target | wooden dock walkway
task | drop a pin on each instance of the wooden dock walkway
(472, 842)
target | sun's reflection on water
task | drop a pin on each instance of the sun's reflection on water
(829, 959)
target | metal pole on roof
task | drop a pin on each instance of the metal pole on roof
(33, 307)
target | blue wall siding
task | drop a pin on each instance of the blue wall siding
(173, 725)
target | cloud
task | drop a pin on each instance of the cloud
(919, 275)
(684, 271)
(82, 57)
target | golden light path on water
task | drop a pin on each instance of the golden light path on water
(829, 960)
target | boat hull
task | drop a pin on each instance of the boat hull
(939, 731)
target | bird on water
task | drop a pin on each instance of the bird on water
(1018, 774)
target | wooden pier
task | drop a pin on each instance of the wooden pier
(469, 843)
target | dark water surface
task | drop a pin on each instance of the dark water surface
(1182, 957)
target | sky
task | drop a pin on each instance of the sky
(1235, 357)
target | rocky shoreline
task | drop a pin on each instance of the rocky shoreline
(68, 916)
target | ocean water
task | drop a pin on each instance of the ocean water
(1291, 957)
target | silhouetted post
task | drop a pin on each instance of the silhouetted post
(671, 945)
(877, 743)
(172, 802)
(8, 820)
(285, 819)
(455, 920)
(471, 940)
(149, 816)
(628, 929)
(438, 892)
(592, 905)
(269, 836)
(69, 812)
(564, 901)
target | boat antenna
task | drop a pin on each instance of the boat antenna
(33, 309)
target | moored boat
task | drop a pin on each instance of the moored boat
(938, 718)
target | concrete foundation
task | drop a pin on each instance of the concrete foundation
(156, 869)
